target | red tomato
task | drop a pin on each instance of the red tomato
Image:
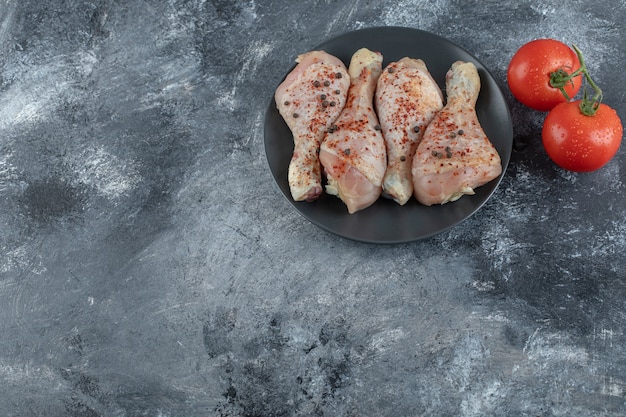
(529, 72)
(581, 143)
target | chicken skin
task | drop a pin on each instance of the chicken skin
(407, 98)
(310, 99)
(455, 156)
(353, 151)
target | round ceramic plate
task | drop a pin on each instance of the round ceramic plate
(386, 221)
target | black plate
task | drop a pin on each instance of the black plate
(385, 221)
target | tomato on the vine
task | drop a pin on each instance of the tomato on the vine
(582, 135)
(533, 67)
(578, 142)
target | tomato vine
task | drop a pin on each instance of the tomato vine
(560, 78)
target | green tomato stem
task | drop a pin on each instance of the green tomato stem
(560, 78)
(588, 106)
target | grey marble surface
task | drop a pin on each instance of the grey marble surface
(150, 266)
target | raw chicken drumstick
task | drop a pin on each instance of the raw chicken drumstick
(407, 98)
(353, 151)
(455, 156)
(310, 99)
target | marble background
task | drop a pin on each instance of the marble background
(150, 266)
